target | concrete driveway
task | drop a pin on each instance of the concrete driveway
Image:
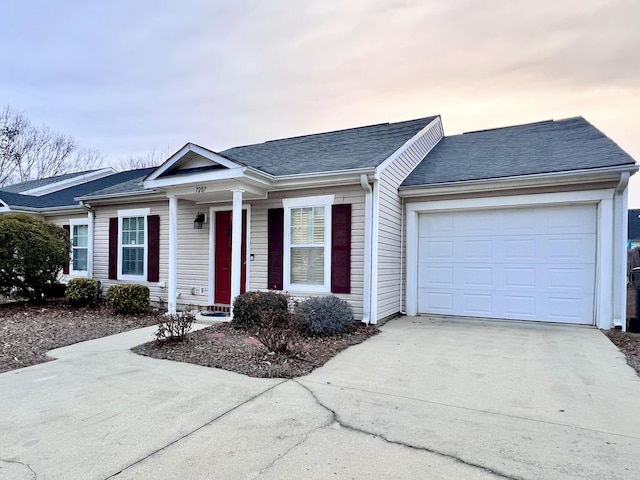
(427, 398)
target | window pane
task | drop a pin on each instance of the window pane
(307, 226)
(79, 259)
(307, 265)
(80, 235)
(133, 231)
(132, 261)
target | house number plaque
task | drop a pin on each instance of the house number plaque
(201, 189)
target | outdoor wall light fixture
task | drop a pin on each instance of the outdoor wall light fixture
(201, 219)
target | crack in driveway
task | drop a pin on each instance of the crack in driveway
(210, 422)
(26, 465)
(455, 458)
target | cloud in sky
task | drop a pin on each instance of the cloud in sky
(128, 77)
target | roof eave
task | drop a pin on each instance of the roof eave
(119, 196)
(518, 181)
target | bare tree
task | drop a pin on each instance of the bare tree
(152, 159)
(28, 152)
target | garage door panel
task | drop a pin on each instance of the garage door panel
(545, 274)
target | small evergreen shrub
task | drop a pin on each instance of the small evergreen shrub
(82, 291)
(324, 315)
(175, 327)
(249, 307)
(128, 298)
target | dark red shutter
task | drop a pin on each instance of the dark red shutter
(65, 269)
(275, 232)
(113, 248)
(153, 252)
(341, 249)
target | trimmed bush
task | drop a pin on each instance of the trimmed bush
(128, 298)
(32, 254)
(249, 307)
(324, 315)
(82, 291)
(175, 327)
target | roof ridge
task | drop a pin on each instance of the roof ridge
(340, 130)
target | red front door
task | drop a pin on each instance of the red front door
(222, 247)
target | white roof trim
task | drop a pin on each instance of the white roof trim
(69, 182)
(4, 207)
(532, 180)
(190, 147)
(392, 158)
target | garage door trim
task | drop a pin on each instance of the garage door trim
(604, 223)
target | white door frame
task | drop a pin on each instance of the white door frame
(605, 245)
(212, 247)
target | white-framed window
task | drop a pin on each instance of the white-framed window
(79, 232)
(132, 244)
(307, 243)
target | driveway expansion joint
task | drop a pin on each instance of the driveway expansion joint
(26, 465)
(336, 418)
(210, 422)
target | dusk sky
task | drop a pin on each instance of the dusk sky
(128, 77)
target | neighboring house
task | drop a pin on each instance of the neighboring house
(523, 222)
(54, 200)
(633, 230)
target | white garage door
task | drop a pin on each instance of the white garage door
(520, 263)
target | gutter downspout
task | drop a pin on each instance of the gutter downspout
(368, 221)
(91, 216)
(403, 237)
(375, 216)
(619, 260)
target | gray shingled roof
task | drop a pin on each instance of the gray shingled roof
(543, 147)
(66, 197)
(130, 183)
(354, 148)
(41, 182)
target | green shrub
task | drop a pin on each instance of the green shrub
(248, 307)
(82, 291)
(32, 254)
(324, 315)
(128, 298)
(175, 327)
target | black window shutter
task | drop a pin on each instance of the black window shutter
(113, 248)
(275, 233)
(153, 250)
(341, 248)
(65, 269)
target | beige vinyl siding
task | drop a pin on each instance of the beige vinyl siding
(101, 244)
(64, 219)
(390, 229)
(193, 254)
(346, 194)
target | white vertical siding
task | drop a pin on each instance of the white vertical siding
(348, 194)
(390, 234)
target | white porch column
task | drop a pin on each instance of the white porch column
(172, 287)
(236, 245)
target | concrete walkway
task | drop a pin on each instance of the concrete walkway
(427, 398)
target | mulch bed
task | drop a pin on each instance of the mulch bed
(629, 344)
(223, 346)
(28, 332)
